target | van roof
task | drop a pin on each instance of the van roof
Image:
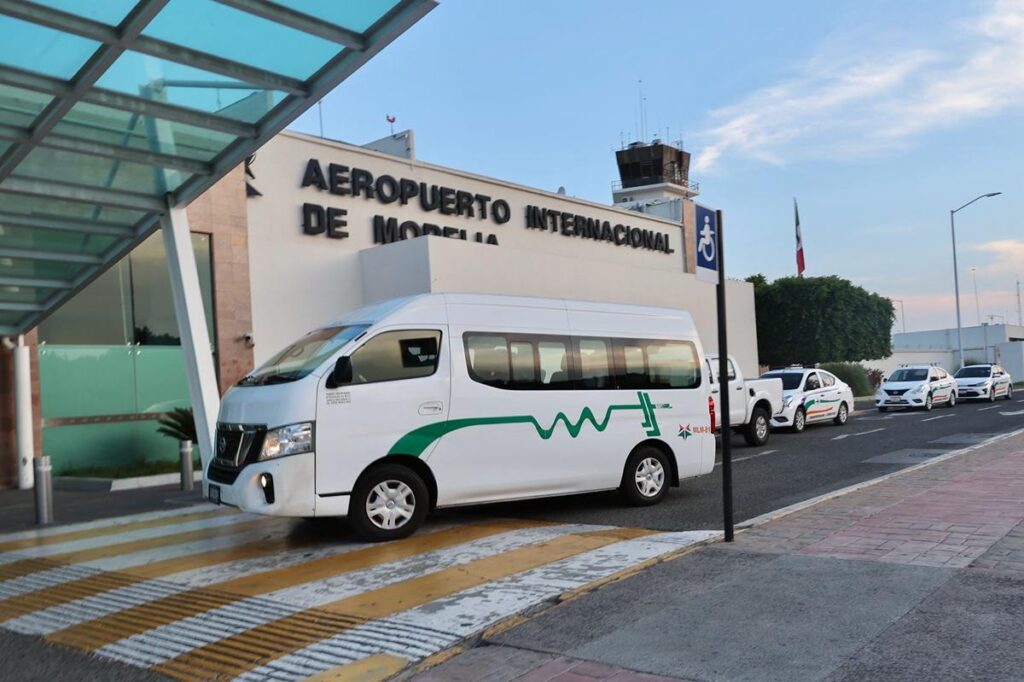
(378, 311)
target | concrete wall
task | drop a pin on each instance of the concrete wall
(300, 281)
(942, 358)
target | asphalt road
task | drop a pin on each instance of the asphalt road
(790, 468)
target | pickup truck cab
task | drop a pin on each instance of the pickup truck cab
(752, 402)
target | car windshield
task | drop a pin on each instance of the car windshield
(790, 380)
(974, 373)
(909, 375)
(303, 356)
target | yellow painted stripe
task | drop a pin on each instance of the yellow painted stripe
(16, 569)
(257, 646)
(111, 530)
(135, 620)
(106, 581)
(370, 669)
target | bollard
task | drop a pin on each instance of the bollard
(44, 490)
(185, 452)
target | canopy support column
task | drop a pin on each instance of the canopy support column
(195, 336)
(23, 423)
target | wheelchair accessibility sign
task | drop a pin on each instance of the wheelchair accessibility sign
(707, 245)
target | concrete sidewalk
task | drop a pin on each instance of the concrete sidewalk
(918, 576)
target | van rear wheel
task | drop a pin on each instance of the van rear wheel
(389, 502)
(645, 479)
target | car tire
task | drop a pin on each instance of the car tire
(389, 502)
(842, 415)
(992, 394)
(799, 420)
(952, 400)
(646, 476)
(757, 431)
(928, 405)
(883, 409)
(1009, 392)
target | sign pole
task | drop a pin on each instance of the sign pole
(723, 380)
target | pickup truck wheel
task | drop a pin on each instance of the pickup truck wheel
(756, 431)
(842, 415)
(799, 420)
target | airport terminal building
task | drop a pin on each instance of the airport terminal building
(310, 229)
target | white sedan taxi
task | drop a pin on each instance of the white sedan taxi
(985, 382)
(916, 386)
(809, 396)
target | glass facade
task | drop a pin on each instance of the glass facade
(118, 336)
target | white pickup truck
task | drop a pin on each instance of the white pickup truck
(752, 402)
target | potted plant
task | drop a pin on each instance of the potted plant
(180, 424)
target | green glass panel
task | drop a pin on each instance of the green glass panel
(160, 384)
(98, 171)
(4, 146)
(295, 53)
(27, 267)
(108, 371)
(101, 313)
(37, 48)
(51, 240)
(10, 318)
(109, 12)
(125, 446)
(20, 107)
(39, 207)
(126, 129)
(24, 294)
(165, 81)
(354, 15)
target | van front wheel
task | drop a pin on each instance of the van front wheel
(389, 502)
(645, 479)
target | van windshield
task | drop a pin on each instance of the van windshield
(303, 356)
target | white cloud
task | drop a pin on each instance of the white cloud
(868, 99)
(1008, 257)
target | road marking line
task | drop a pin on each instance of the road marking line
(165, 642)
(110, 628)
(1012, 414)
(238, 654)
(743, 459)
(941, 416)
(108, 529)
(993, 407)
(446, 622)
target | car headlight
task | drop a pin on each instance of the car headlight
(293, 439)
(788, 401)
(919, 389)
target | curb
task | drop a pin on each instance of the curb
(113, 485)
(786, 511)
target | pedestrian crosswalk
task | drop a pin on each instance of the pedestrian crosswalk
(208, 593)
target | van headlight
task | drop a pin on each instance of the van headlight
(293, 439)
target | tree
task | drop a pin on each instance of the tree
(807, 320)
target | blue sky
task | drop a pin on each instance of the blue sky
(879, 117)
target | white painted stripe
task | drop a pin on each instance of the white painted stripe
(107, 523)
(941, 416)
(862, 433)
(993, 407)
(127, 536)
(444, 622)
(165, 642)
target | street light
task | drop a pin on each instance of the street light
(977, 301)
(903, 315)
(956, 276)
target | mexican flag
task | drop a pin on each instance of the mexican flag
(799, 242)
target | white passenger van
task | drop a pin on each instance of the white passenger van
(441, 400)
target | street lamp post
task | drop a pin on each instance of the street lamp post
(956, 275)
(903, 314)
(977, 301)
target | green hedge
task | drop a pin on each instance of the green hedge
(853, 374)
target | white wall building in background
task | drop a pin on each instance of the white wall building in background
(340, 226)
(999, 343)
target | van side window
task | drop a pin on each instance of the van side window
(488, 359)
(523, 366)
(392, 356)
(554, 364)
(672, 364)
(595, 364)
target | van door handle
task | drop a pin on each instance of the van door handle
(435, 407)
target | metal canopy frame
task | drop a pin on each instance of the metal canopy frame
(181, 168)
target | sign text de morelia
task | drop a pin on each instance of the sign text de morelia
(342, 180)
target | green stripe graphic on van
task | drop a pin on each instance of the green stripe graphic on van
(418, 440)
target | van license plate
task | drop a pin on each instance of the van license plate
(214, 493)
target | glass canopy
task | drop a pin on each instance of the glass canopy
(112, 111)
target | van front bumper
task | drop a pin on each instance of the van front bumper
(277, 487)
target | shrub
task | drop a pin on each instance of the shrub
(853, 374)
(179, 424)
(875, 376)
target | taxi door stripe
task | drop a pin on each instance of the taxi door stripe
(246, 614)
(237, 654)
(58, 552)
(113, 524)
(452, 619)
(111, 529)
(119, 625)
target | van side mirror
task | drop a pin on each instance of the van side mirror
(341, 374)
